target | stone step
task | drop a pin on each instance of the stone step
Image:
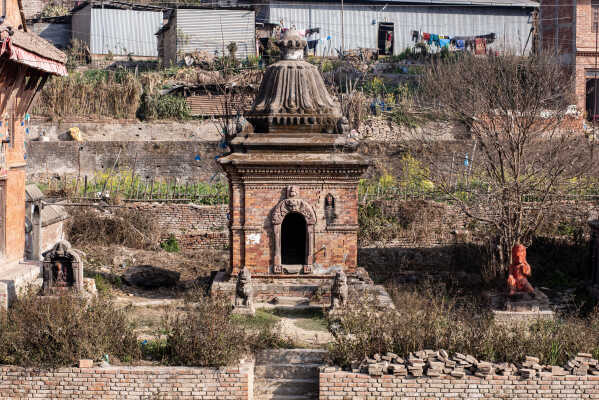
(286, 397)
(290, 301)
(286, 387)
(287, 371)
(290, 356)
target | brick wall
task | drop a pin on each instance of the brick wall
(128, 383)
(347, 386)
(195, 226)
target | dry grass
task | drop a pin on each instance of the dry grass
(121, 226)
(428, 318)
(105, 94)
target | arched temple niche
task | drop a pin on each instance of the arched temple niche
(293, 221)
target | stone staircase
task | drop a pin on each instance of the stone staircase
(287, 374)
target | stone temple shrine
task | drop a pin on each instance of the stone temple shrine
(293, 182)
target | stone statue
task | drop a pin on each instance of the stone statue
(60, 279)
(339, 291)
(329, 209)
(518, 272)
(343, 126)
(244, 294)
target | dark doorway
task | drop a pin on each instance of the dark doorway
(293, 239)
(386, 38)
(592, 107)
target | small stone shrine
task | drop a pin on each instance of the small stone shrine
(293, 182)
(62, 270)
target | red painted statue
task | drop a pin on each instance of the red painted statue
(519, 271)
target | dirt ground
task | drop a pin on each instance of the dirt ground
(108, 263)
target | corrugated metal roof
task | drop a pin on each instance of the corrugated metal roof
(210, 105)
(213, 30)
(124, 32)
(496, 3)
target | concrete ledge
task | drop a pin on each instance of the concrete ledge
(516, 317)
(15, 277)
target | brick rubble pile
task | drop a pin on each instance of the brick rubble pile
(436, 363)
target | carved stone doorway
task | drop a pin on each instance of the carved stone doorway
(294, 240)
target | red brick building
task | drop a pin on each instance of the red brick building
(570, 27)
(26, 62)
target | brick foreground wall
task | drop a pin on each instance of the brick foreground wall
(147, 383)
(347, 385)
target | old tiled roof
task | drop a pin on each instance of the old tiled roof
(35, 44)
(33, 193)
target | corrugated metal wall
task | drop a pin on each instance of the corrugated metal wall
(510, 24)
(213, 30)
(124, 32)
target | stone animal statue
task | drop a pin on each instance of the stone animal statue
(339, 291)
(244, 294)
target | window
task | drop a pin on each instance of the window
(594, 15)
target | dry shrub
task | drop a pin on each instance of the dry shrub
(355, 107)
(102, 94)
(427, 318)
(208, 335)
(126, 227)
(58, 331)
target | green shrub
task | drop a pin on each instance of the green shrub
(164, 107)
(59, 331)
(427, 318)
(171, 244)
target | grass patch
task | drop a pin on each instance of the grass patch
(308, 319)
(263, 319)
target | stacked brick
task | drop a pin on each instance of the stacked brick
(194, 226)
(439, 363)
(127, 383)
(339, 385)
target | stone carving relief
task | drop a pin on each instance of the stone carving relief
(329, 209)
(293, 204)
(62, 270)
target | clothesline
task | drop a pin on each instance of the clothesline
(477, 43)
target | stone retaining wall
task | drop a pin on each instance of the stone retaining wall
(346, 385)
(128, 383)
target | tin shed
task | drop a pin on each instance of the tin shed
(118, 32)
(198, 29)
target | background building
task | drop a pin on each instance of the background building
(116, 31)
(191, 30)
(570, 28)
(367, 22)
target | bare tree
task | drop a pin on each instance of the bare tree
(526, 148)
